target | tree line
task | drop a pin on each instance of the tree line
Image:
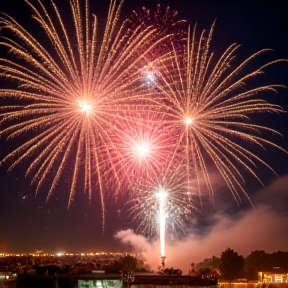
(231, 265)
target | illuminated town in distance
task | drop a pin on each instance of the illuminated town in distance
(63, 254)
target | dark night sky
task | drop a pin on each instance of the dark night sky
(28, 224)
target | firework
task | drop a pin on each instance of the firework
(71, 90)
(143, 147)
(162, 205)
(136, 107)
(209, 109)
(165, 20)
(161, 195)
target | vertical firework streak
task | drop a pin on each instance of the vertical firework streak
(71, 92)
(161, 195)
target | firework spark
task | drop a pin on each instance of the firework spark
(165, 20)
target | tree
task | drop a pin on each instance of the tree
(231, 265)
(128, 263)
(256, 261)
(279, 259)
(207, 272)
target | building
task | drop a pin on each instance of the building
(276, 275)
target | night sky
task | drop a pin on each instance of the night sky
(27, 223)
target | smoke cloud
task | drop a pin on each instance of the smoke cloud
(264, 228)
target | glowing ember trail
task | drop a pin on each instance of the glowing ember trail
(161, 195)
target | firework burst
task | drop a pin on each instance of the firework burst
(165, 20)
(143, 147)
(209, 109)
(71, 89)
(163, 205)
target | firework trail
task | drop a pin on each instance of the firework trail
(161, 195)
(210, 110)
(71, 89)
